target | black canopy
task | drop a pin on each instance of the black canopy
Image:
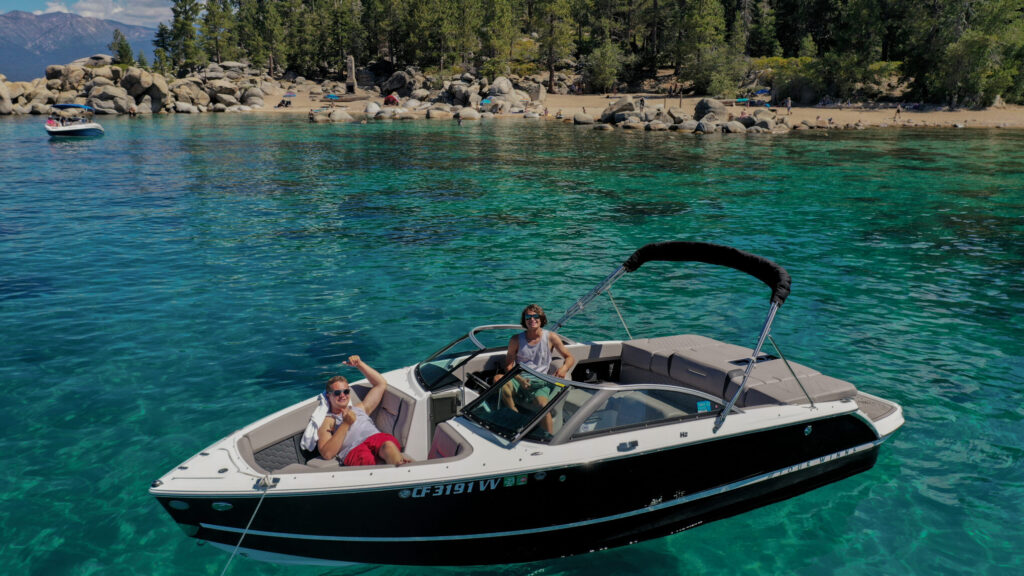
(765, 270)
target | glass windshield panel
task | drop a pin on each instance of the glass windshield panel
(514, 402)
(642, 408)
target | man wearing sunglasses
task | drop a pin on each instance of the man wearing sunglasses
(347, 432)
(532, 348)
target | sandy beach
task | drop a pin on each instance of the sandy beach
(1009, 116)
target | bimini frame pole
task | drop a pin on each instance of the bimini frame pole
(765, 331)
(587, 298)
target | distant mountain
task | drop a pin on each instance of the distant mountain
(30, 43)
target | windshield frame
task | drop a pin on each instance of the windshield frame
(453, 365)
(517, 435)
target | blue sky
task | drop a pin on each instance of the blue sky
(139, 12)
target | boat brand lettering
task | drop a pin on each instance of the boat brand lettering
(453, 489)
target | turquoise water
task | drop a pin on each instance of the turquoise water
(180, 277)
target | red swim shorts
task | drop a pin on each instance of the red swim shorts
(366, 454)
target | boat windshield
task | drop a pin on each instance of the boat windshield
(517, 402)
(441, 368)
(545, 409)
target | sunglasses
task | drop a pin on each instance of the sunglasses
(531, 316)
(340, 392)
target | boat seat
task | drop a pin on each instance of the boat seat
(448, 444)
(716, 368)
(394, 413)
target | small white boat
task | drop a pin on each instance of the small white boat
(72, 120)
(649, 437)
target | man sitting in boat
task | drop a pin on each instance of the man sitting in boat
(532, 349)
(347, 432)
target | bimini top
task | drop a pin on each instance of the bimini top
(765, 270)
(70, 106)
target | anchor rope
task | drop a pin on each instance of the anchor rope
(265, 484)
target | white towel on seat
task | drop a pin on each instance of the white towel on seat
(309, 437)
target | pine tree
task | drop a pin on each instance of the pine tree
(184, 42)
(556, 34)
(121, 48)
(218, 31)
(762, 40)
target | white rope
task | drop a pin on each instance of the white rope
(621, 319)
(265, 482)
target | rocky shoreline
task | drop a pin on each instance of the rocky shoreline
(409, 94)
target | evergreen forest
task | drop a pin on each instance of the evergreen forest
(952, 52)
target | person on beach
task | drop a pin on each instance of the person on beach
(532, 349)
(899, 112)
(789, 106)
(347, 432)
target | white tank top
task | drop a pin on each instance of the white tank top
(536, 357)
(357, 433)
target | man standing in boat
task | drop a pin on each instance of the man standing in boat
(347, 432)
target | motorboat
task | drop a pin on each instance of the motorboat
(72, 120)
(645, 438)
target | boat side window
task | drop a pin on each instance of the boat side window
(643, 408)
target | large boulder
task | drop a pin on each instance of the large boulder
(501, 87)
(460, 93)
(734, 127)
(16, 89)
(104, 72)
(110, 100)
(709, 105)
(213, 72)
(339, 115)
(469, 114)
(6, 106)
(74, 77)
(624, 104)
(401, 82)
(182, 107)
(581, 118)
(158, 89)
(434, 114)
(705, 127)
(227, 100)
(252, 96)
(136, 81)
(537, 92)
(188, 91)
(54, 72)
(41, 94)
(95, 61)
(678, 116)
(221, 87)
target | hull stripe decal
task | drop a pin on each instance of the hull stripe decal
(660, 506)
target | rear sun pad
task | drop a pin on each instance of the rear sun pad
(716, 368)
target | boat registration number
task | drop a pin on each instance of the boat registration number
(458, 488)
